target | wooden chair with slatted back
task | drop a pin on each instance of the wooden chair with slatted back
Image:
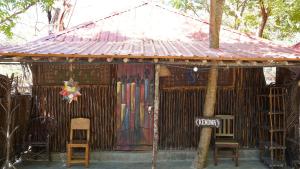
(82, 124)
(224, 138)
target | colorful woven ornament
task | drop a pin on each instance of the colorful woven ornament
(70, 91)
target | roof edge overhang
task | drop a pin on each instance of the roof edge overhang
(171, 60)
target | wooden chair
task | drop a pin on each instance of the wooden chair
(82, 124)
(224, 138)
(36, 143)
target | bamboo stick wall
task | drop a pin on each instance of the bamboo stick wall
(292, 124)
(286, 77)
(96, 103)
(180, 106)
(178, 109)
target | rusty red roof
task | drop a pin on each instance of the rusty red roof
(296, 47)
(151, 31)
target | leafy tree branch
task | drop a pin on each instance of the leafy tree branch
(10, 10)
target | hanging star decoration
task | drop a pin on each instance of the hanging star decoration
(70, 91)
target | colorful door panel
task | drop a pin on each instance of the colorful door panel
(135, 93)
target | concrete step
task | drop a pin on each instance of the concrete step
(163, 155)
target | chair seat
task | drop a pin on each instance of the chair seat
(226, 143)
(38, 143)
(78, 142)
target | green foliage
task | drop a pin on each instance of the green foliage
(245, 15)
(192, 5)
(285, 19)
(11, 9)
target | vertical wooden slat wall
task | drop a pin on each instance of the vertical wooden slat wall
(180, 106)
(292, 124)
(178, 109)
(288, 78)
(96, 103)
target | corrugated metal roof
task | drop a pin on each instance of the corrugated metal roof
(151, 31)
(296, 47)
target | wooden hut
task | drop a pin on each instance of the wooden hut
(114, 60)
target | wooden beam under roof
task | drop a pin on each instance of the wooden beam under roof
(17, 58)
(91, 60)
(35, 58)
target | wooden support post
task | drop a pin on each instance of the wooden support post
(155, 117)
(298, 129)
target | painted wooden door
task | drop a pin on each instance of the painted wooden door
(134, 108)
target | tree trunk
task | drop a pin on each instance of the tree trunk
(264, 18)
(262, 25)
(209, 106)
(216, 10)
(241, 6)
(155, 117)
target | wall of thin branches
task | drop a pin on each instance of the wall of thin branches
(292, 123)
(181, 100)
(96, 102)
(180, 103)
(290, 78)
(180, 106)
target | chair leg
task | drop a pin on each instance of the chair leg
(49, 152)
(48, 149)
(215, 156)
(89, 155)
(69, 154)
(86, 156)
(237, 157)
